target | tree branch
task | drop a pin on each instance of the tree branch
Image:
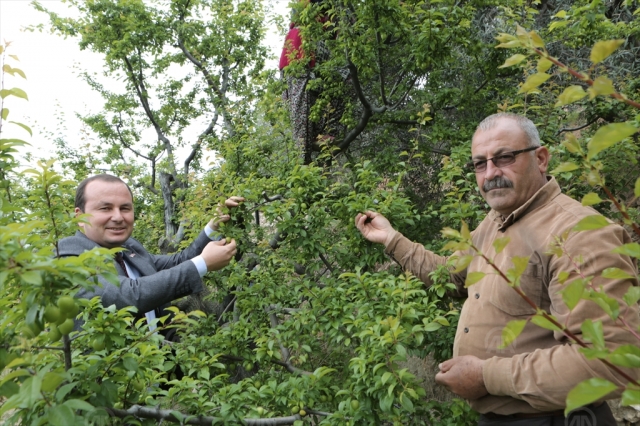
(566, 129)
(168, 415)
(219, 91)
(367, 110)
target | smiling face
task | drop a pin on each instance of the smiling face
(507, 188)
(110, 207)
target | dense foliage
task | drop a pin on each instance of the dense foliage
(311, 323)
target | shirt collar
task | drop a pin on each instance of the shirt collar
(544, 195)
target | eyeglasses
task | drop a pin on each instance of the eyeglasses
(499, 161)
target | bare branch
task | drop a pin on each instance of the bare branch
(566, 129)
(367, 109)
(213, 88)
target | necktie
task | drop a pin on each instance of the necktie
(120, 260)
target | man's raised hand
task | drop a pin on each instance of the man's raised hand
(218, 254)
(375, 227)
(220, 217)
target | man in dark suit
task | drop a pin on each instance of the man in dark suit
(147, 281)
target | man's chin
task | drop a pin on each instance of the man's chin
(117, 240)
(496, 198)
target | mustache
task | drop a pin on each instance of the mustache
(498, 182)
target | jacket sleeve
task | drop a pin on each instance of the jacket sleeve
(176, 277)
(193, 250)
(148, 292)
(544, 377)
(421, 262)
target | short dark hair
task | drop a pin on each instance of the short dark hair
(80, 196)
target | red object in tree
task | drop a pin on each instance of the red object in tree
(292, 49)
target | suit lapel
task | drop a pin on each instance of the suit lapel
(140, 260)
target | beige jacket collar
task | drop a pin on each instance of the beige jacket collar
(544, 195)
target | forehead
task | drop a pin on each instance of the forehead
(505, 135)
(99, 191)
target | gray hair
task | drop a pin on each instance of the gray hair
(527, 126)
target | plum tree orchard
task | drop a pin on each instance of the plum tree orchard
(310, 324)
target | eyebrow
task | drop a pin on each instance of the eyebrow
(106, 203)
(500, 150)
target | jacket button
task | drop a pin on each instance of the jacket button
(466, 329)
(477, 295)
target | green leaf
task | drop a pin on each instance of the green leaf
(543, 322)
(591, 199)
(450, 233)
(631, 249)
(626, 356)
(462, 262)
(130, 364)
(543, 65)
(570, 95)
(514, 60)
(602, 49)
(51, 381)
(386, 402)
(385, 378)
(511, 332)
(401, 350)
(78, 404)
(632, 296)
(601, 86)
(616, 274)
(630, 397)
(509, 44)
(520, 263)
(591, 222)
(500, 243)
(24, 126)
(19, 72)
(406, 403)
(591, 353)
(31, 277)
(564, 167)
(464, 231)
(593, 333)
(608, 304)
(558, 24)
(473, 277)
(572, 293)
(587, 392)
(533, 81)
(30, 391)
(61, 415)
(5, 113)
(536, 39)
(12, 375)
(571, 143)
(609, 135)
(636, 188)
(18, 92)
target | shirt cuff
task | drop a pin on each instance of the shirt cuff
(212, 234)
(496, 373)
(201, 265)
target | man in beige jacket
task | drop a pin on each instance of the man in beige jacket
(527, 382)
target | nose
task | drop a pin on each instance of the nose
(492, 171)
(116, 216)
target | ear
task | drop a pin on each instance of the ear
(543, 157)
(78, 212)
